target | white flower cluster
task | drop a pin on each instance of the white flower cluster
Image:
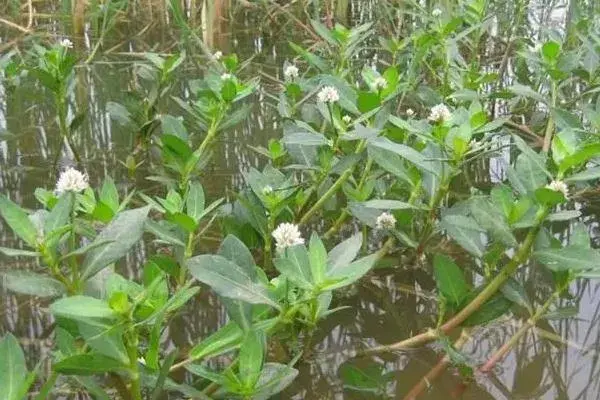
(217, 56)
(71, 180)
(380, 83)
(66, 43)
(267, 190)
(410, 112)
(291, 72)
(347, 119)
(287, 235)
(385, 221)
(439, 113)
(559, 186)
(436, 12)
(226, 77)
(328, 94)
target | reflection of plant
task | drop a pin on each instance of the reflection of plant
(55, 71)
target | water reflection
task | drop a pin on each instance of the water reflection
(556, 361)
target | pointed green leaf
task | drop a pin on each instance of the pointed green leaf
(88, 364)
(450, 279)
(12, 368)
(30, 283)
(19, 221)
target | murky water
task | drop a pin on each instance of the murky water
(385, 307)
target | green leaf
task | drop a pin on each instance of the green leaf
(368, 101)
(318, 258)
(19, 221)
(125, 231)
(106, 339)
(273, 379)
(466, 232)
(81, 308)
(369, 378)
(228, 90)
(13, 370)
(549, 197)
(568, 258)
(235, 251)
(163, 233)
(61, 213)
(516, 293)
(109, 194)
(18, 252)
(195, 201)
(382, 204)
(313, 59)
(323, 32)
(489, 311)
(585, 175)
(344, 275)
(251, 358)
(184, 221)
(343, 254)
(551, 50)
(396, 149)
(580, 157)
(450, 279)
(88, 364)
(173, 126)
(229, 280)
(526, 91)
(491, 220)
(30, 283)
(295, 266)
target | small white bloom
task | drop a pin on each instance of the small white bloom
(291, 72)
(347, 119)
(559, 186)
(380, 83)
(218, 55)
(328, 94)
(475, 145)
(226, 76)
(287, 235)
(267, 190)
(436, 12)
(66, 43)
(71, 180)
(439, 113)
(141, 360)
(410, 112)
(385, 221)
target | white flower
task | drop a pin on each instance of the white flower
(71, 180)
(380, 83)
(141, 360)
(475, 145)
(436, 12)
(226, 76)
(439, 113)
(410, 112)
(287, 235)
(66, 43)
(328, 94)
(218, 55)
(559, 186)
(267, 190)
(347, 119)
(290, 72)
(385, 221)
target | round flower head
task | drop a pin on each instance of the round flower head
(290, 72)
(66, 43)
(226, 77)
(71, 180)
(410, 112)
(287, 235)
(267, 190)
(380, 83)
(436, 12)
(347, 119)
(218, 55)
(439, 113)
(559, 186)
(328, 94)
(385, 221)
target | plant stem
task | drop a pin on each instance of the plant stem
(530, 323)
(550, 126)
(437, 370)
(132, 344)
(333, 189)
(492, 287)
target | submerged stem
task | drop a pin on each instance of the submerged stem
(492, 287)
